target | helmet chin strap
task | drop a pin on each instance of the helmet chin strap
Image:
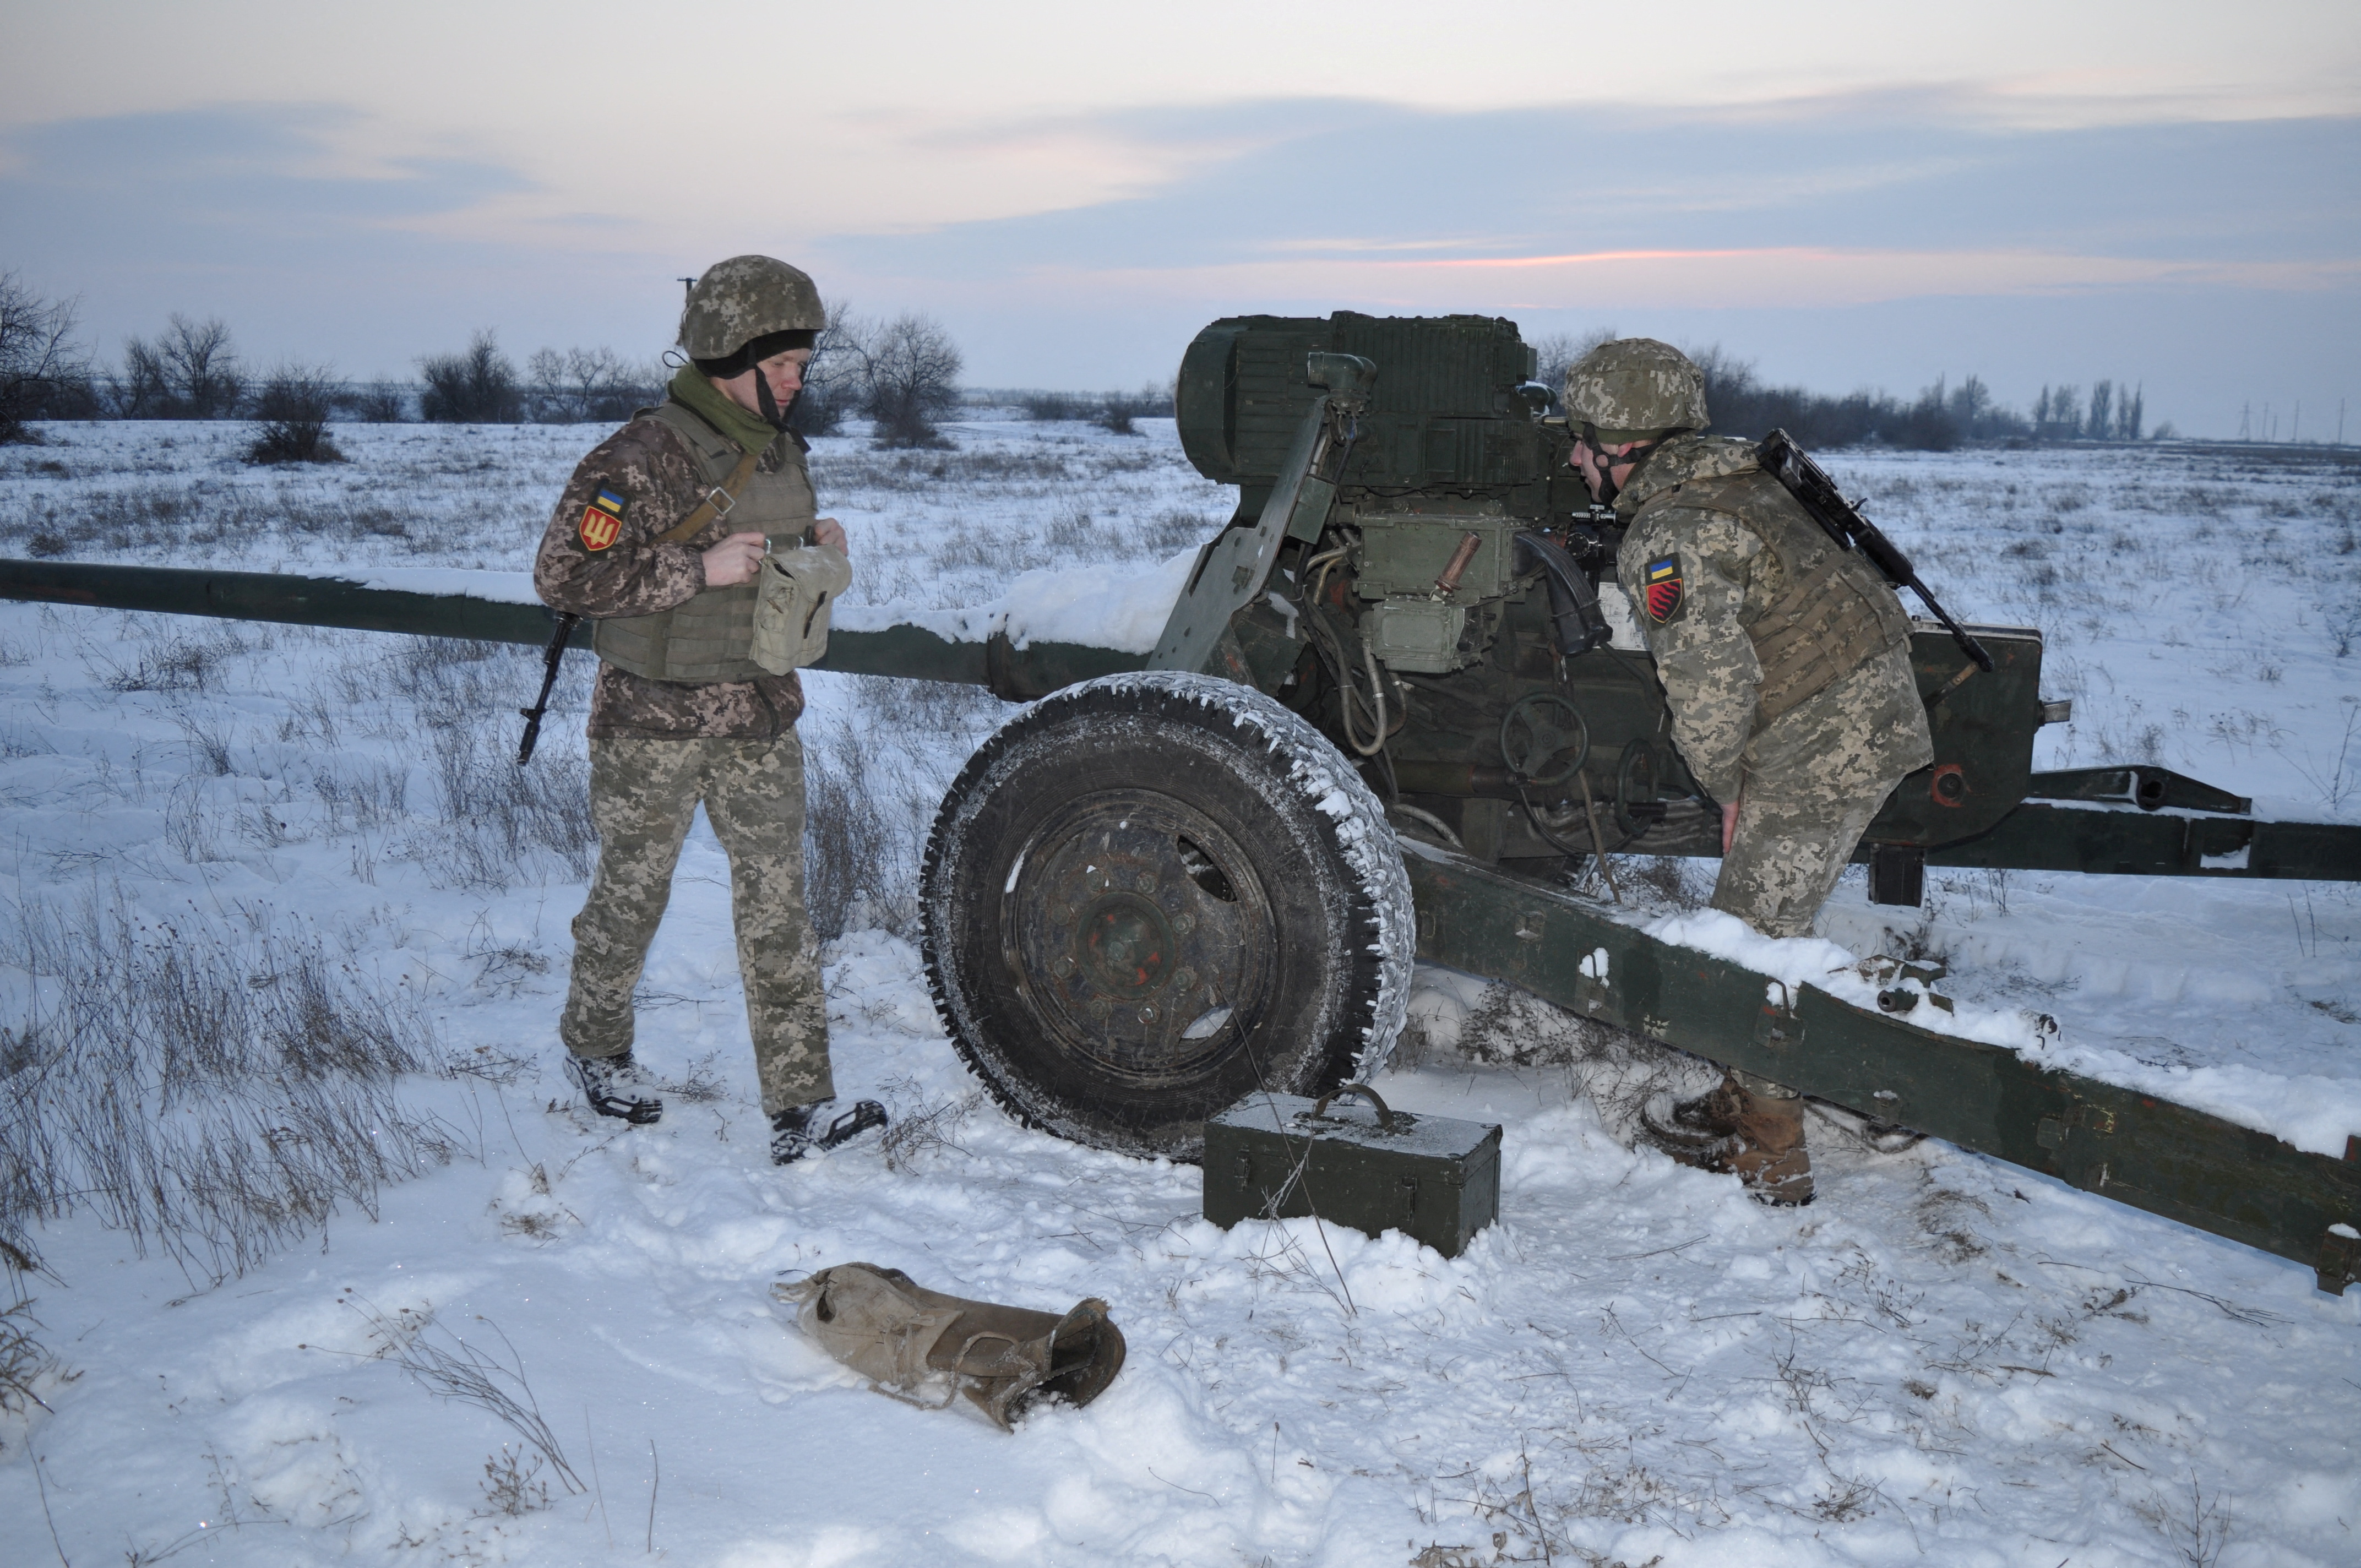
(773, 415)
(1638, 457)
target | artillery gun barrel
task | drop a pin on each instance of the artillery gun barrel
(913, 652)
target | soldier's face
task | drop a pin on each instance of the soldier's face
(783, 371)
(1591, 462)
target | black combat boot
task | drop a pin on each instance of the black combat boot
(795, 1133)
(616, 1087)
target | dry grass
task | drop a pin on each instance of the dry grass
(872, 783)
(214, 1093)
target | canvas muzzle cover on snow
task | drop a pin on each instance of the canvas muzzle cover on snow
(793, 593)
(927, 1348)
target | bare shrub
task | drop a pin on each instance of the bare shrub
(911, 371)
(191, 370)
(476, 386)
(835, 380)
(1671, 882)
(381, 402)
(217, 1094)
(292, 414)
(1052, 406)
(512, 1484)
(583, 385)
(916, 1138)
(179, 664)
(142, 387)
(1116, 411)
(39, 359)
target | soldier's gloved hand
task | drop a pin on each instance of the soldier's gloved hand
(734, 560)
(829, 532)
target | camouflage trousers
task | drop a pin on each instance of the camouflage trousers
(642, 795)
(1791, 845)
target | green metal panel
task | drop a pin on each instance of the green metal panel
(1984, 732)
(2168, 1159)
(1445, 407)
(2054, 835)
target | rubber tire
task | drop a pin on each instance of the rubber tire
(1118, 771)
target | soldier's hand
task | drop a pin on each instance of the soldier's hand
(1728, 825)
(828, 530)
(734, 560)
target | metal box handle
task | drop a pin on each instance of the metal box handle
(1384, 1117)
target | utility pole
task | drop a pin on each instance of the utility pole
(685, 285)
(2340, 422)
(2295, 435)
(2246, 422)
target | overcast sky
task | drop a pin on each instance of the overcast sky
(1848, 194)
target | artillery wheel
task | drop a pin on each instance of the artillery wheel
(1149, 895)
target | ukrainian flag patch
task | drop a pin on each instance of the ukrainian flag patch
(1663, 587)
(602, 520)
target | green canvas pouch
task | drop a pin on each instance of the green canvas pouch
(793, 592)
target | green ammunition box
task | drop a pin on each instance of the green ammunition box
(1279, 1156)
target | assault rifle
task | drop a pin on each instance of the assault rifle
(551, 656)
(1810, 485)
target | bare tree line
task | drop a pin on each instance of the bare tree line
(902, 374)
(1940, 418)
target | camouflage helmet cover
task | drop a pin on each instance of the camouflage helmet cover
(1633, 389)
(745, 298)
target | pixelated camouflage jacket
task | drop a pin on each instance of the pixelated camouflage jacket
(650, 469)
(1723, 567)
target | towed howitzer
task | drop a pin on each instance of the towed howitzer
(1125, 935)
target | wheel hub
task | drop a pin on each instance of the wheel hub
(1140, 935)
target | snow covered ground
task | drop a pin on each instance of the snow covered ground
(214, 829)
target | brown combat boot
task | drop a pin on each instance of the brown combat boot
(1771, 1157)
(1757, 1137)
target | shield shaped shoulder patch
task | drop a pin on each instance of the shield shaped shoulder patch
(602, 520)
(1664, 588)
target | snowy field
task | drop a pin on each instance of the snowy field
(326, 1264)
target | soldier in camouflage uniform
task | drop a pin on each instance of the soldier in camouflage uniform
(658, 540)
(1785, 662)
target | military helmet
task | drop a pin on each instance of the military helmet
(746, 299)
(1635, 389)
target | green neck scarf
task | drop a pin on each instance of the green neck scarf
(750, 430)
